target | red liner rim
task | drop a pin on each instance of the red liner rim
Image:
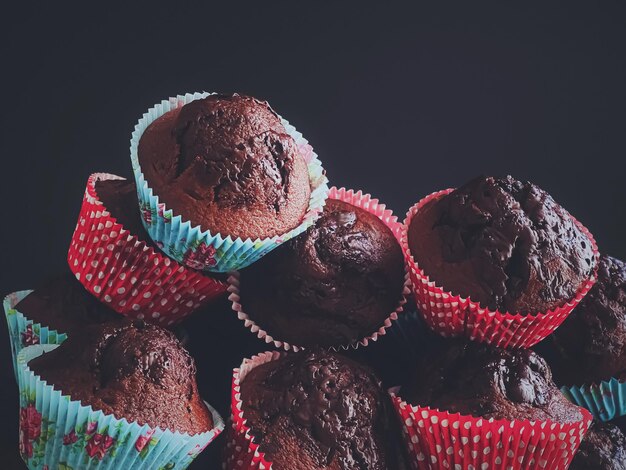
(414, 267)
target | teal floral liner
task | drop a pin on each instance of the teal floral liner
(605, 400)
(57, 432)
(23, 331)
(198, 249)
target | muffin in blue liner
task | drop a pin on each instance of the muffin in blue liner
(57, 432)
(605, 400)
(587, 353)
(23, 331)
(202, 249)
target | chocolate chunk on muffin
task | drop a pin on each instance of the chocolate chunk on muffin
(318, 410)
(505, 244)
(333, 285)
(64, 305)
(590, 346)
(227, 164)
(132, 370)
(480, 380)
(119, 198)
(603, 448)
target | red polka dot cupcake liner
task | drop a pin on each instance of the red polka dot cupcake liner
(451, 315)
(441, 440)
(362, 201)
(127, 274)
(241, 452)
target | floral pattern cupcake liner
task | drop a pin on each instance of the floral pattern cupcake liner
(241, 452)
(441, 440)
(362, 201)
(204, 250)
(127, 274)
(57, 432)
(605, 400)
(24, 332)
(451, 315)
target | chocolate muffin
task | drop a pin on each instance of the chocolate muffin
(119, 198)
(480, 380)
(315, 410)
(227, 164)
(64, 305)
(603, 448)
(331, 286)
(132, 370)
(505, 244)
(590, 346)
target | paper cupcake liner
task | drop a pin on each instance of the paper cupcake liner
(438, 439)
(24, 332)
(127, 274)
(59, 433)
(241, 452)
(204, 250)
(452, 315)
(357, 199)
(605, 400)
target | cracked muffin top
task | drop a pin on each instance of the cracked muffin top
(316, 410)
(132, 370)
(227, 164)
(484, 381)
(504, 243)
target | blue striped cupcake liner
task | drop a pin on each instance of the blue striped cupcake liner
(605, 400)
(204, 250)
(58, 433)
(23, 331)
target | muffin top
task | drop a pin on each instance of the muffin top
(480, 380)
(119, 198)
(590, 346)
(227, 163)
(331, 286)
(132, 370)
(315, 410)
(603, 448)
(505, 244)
(64, 305)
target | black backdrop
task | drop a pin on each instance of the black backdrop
(396, 102)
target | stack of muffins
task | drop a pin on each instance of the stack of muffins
(229, 199)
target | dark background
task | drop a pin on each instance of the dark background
(396, 102)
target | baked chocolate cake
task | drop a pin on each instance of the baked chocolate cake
(603, 448)
(64, 305)
(331, 286)
(505, 244)
(119, 198)
(590, 346)
(227, 163)
(132, 370)
(480, 380)
(315, 410)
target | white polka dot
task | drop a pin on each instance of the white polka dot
(121, 290)
(140, 315)
(94, 264)
(107, 298)
(156, 315)
(163, 301)
(146, 295)
(97, 289)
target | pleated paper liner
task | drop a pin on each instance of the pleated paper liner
(241, 452)
(451, 315)
(362, 201)
(216, 252)
(24, 331)
(606, 400)
(57, 432)
(441, 440)
(128, 275)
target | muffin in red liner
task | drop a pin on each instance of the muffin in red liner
(311, 409)
(452, 315)
(360, 201)
(438, 439)
(126, 272)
